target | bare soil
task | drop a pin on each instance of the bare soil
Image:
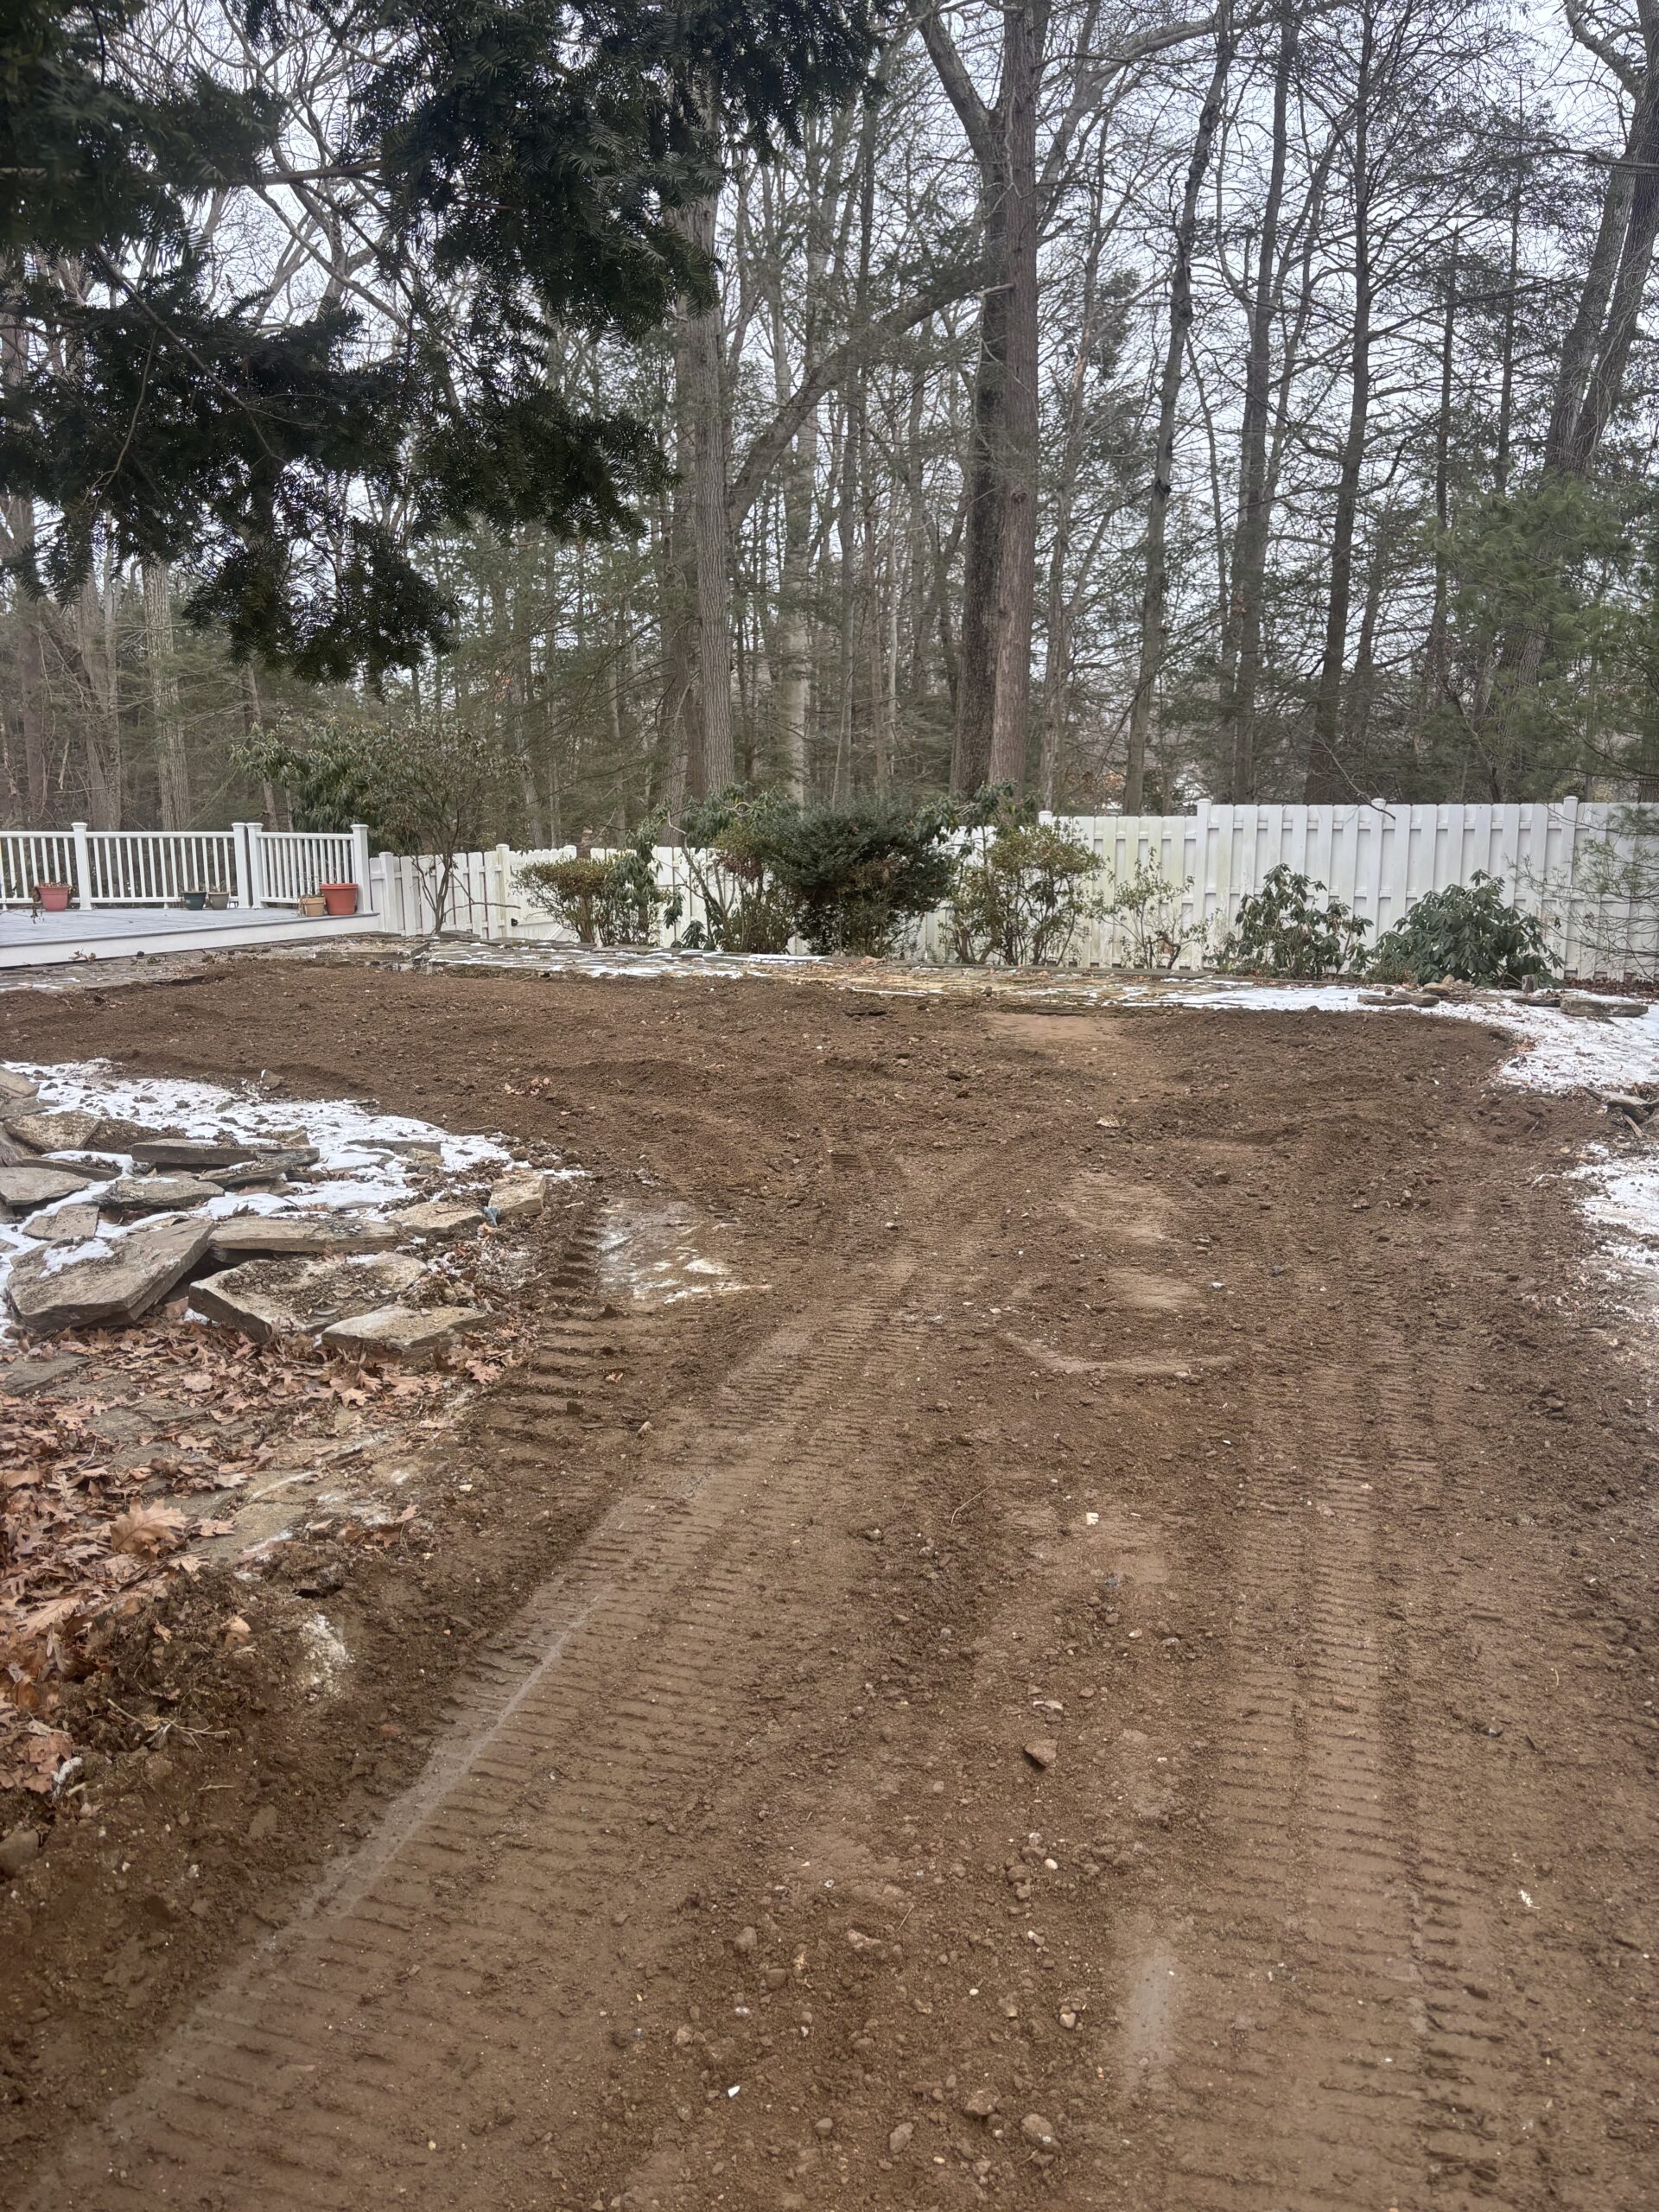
(1114, 1674)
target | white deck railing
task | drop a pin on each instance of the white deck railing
(294, 864)
(245, 866)
(157, 867)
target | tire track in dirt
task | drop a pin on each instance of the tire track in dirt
(1341, 1972)
(365, 2030)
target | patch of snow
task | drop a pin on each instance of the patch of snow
(1571, 1051)
(339, 1129)
(326, 1655)
(89, 1248)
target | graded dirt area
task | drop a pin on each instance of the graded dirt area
(1112, 1674)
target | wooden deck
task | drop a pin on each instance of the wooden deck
(119, 932)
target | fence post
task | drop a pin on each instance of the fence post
(502, 908)
(361, 875)
(241, 833)
(83, 864)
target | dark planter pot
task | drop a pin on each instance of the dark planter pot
(193, 902)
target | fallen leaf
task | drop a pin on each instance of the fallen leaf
(146, 1529)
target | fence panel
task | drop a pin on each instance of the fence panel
(293, 864)
(29, 857)
(157, 867)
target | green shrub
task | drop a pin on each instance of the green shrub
(1149, 906)
(847, 879)
(611, 901)
(858, 874)
(1287, 930)
(730, 841)
(1469, 933)
(1021, 890)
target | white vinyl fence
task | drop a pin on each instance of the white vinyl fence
(1590, 872)
(245, 866)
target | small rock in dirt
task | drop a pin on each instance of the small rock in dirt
(1042, 1751)
(899, 2139)
(404, 1333)
(293, 1235)
(980, 2104)
(289, 1297)
(157, 1193)
(823, 2127)
(745, 1940)
(519, 1196)
(102, 1287)
(775, 1977)
(70, 1225)
(68, 1130)
(441, 1220)
(1037, 2130)
(262, 1825)
(25, 1188)
(17, 1849)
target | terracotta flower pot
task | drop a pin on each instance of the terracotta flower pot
(339, 898)
(53, 898)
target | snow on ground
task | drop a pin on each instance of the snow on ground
(357, 1166)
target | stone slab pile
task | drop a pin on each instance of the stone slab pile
(114, 1241)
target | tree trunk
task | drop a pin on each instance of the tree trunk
(1155, 594)
(680, 716)
(1590, 381)
(970, 751)
(1436, 675)
(1241, 648)
(1016, 556)
(1327, 779)
(711, 467)
(999, 579)
(172, 768)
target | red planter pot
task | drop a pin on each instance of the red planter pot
(53, 898)
(339, 899)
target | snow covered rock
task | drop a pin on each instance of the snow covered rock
(61, 1288)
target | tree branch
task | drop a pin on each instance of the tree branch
(770, 447)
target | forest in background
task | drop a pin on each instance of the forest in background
(1124, 407)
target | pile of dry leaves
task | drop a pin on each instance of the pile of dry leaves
(92, 1533)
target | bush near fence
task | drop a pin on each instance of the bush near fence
(1553, 860)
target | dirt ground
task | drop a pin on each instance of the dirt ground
(1113, 1673)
